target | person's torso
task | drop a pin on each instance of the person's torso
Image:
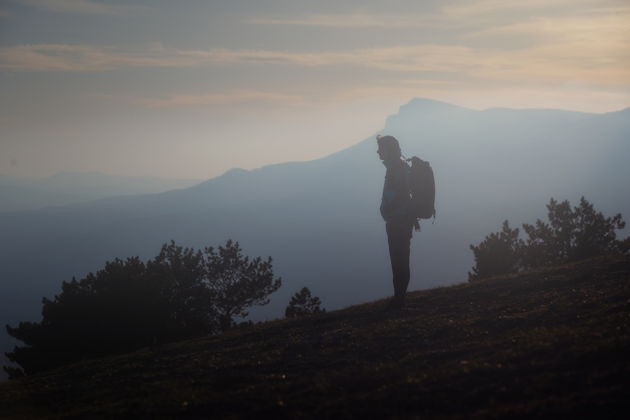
(395, 202)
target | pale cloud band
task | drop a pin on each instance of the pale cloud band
(576, 46)
(351, 20)
(452, 14)
(62, 57)
(605, 61)
(235, 97)
(587, 47)
(86, 7)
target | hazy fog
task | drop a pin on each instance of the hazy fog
(319, 220)
(192, 89)
(535, 98)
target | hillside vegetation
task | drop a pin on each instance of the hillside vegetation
(553, 342)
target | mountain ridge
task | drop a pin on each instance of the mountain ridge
(68, 188)
(416, 105)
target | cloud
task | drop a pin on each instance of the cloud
(236, 97)
(60, 57)
(612, 25)
(63, 57)
(590, 44)
(575, 47)
(396, 58)
(86, 7)
(350, 20)
(566, 48)
(594, 58)
(454, 15)
(484, 7)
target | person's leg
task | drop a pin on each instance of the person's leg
(399, 238)
(393, 242)
(403, 263)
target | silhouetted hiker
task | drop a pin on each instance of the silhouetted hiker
(396, 210)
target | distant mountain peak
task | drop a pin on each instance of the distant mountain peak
(230, 174)
(235, 172)
(419, 107)
(426, 104)
(621, 111)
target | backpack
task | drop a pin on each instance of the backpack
(422, 188)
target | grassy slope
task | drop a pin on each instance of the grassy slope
(552, 342)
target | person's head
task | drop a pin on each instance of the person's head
(388, 147)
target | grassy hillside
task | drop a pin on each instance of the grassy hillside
(554, 342)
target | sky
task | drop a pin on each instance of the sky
(190, 89)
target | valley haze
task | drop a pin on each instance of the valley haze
(319, 219)
(19, 193)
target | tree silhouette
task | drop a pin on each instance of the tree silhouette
(114, 310)
(570, 234)
(235, 282)
(497, 254)
(179, 273)
(128, 304)
(302, 304)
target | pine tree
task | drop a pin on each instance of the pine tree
(235, 282)
(570, 234)
(303, 304)
(497, 254)
(128, 304)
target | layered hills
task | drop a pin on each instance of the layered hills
(64, 188)
(319, 220)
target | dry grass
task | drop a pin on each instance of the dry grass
(551, 343)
